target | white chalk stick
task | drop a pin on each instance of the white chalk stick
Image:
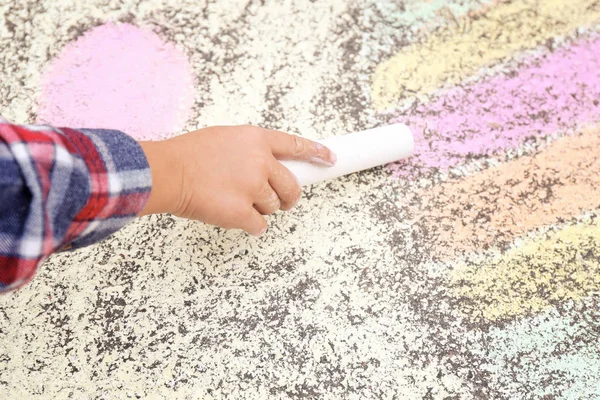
(356, 152)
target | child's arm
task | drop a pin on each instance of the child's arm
(65, 188)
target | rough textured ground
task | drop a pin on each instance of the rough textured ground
(471, 271)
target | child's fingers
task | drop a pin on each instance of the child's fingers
(291, 147)
(268, 201)
(252, 222)
(285, 185)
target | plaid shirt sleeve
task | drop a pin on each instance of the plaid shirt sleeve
(63, 189)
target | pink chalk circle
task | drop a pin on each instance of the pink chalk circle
(118, 77)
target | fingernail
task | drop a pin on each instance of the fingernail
(331, 161)
(262, 232)
(320, 161)
(333, 158)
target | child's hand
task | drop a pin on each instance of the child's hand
(228, 175)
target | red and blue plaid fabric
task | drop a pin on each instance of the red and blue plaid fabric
(63, 189)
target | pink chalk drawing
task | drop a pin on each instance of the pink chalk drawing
(118, 77)
(559, 91)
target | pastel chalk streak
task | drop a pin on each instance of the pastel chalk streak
(502, 203)
(551, 352)
(445, 59)
(531, 278)
(357, 152)
(549, 94)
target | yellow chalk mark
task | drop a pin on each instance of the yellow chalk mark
(564, 266)
(449, 57)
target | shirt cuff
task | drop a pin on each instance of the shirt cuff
(120, 188)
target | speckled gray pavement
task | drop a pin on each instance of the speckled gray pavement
(349, 295)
